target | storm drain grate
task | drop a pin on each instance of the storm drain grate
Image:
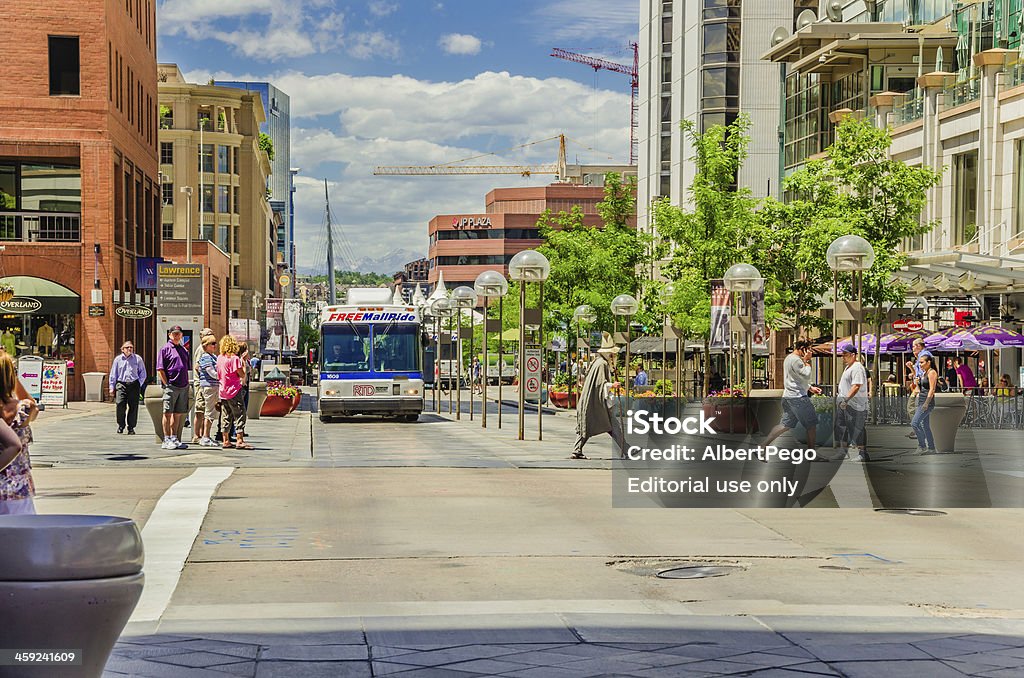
(698, 571)
(913, 512)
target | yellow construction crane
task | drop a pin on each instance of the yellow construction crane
(559, 168)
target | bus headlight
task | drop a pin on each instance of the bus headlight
(330, 391)
(413, 391)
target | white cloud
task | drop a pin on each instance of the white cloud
(590, 20)
(271, 30)
(343, 126)
(459, 43)
(382, 8)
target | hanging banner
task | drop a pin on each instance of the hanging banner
(292, 312)
(719, 315)
(758, 326)
(54, 383)
(244, 329)
(275, 325)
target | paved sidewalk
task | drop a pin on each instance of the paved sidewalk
(576, 645)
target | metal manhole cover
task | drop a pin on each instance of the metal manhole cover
(65, 495)
(698, 571)
(913, 512)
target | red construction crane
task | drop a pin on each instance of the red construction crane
(634, 81)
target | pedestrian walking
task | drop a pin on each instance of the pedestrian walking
(199, 408)
(173, 367)
(209, 386)
(913, 376)
(594, 414)
(231, 373)
(18, 410)
(926, 386)
(477, 383)
(796, 405)
(968, 382)
(127, 375)
(640, 377)
(853, 406)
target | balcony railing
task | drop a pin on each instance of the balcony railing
(40, 227)
(910, 109)
(962, 92)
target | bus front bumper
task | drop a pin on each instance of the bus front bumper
(333, 407)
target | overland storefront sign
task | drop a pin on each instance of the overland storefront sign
(179, 289)
(133, 312)
(20, 305)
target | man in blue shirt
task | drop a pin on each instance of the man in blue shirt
(127, 375)
(641, 376)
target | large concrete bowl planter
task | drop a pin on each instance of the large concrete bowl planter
(67, 583)
(154, 402)
(563, 399)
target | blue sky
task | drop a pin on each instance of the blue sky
(382, 82)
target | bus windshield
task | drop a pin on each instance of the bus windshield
(396, 348)
(365, 348)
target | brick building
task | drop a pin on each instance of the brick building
(466, 245)
(79, 197)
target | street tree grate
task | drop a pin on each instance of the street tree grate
(913, 512)
(698, 571)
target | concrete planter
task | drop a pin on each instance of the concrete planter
(275, 406)
(68, 582)
(767, 406)
(257, 394)
(949, 411)
(155, 406)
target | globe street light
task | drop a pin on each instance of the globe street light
(529, 266)
(847, 254)
(625, 305)
(464, 297)
(442, 309)
(744, 280)
(488, 285)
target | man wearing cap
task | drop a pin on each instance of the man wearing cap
(593, 413)
(173, 367)
(853, 404)
(199, 410)
(796, 405)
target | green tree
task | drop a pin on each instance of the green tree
(718, 227)
(592, 265)
(266, 144)
(855, 189)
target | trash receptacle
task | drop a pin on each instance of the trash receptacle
(67, 583)
(257, 395)
(94, 386)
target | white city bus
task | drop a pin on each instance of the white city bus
(371, 357)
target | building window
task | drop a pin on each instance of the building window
(223, 194)
(223, 234)
(207, 198)
(965, 197)
(203, 121)
(235, 240)
(721, 9)
(167, 230)
(234, 201)
(234, 163)
(665, 186)
(234, 276)
(166, 153)
(167, 194)
(215, 295)
(64, 66)
(223, 164)
(206, 158)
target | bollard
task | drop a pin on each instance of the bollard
(67, 583)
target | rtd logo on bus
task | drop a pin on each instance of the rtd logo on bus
(366, 316)
(362, 390)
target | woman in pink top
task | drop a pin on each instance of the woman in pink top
(231, 372)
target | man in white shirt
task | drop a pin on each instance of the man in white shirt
(853, 404)
(796, 405)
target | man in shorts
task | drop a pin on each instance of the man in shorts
(199, 409)
(796, 405)
(173, 369)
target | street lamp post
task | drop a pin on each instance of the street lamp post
(464, 297)
(490, 284)
(743, 279)
(187, 190)
(625, 305)
(427, 314)
(442, 311)
(529, 266)
(583, 314)
(847, 254)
